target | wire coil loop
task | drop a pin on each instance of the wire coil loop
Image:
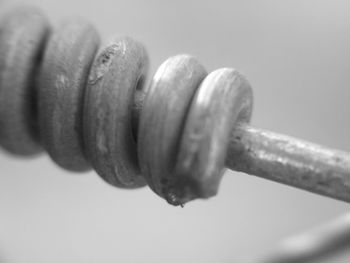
(78, 101)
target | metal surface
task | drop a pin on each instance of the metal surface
(164, 111)
(262, 153)
(222, 100)
(23, 33)
(109, 143)
(62, 81)
(290, 161)
(189, 123)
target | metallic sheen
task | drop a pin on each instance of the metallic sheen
(162, 119)
(223, 100)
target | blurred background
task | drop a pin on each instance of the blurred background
(295, 53)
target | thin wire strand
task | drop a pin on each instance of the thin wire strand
(290, 161)
(324, 242)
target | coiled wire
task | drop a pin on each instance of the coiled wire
(89, 107)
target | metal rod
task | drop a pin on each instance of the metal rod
(324, 242)
(290, 161)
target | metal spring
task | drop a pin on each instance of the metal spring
(91, 107)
